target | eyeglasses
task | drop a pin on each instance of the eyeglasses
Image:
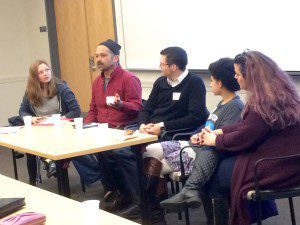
(164, 64)
(44, 71)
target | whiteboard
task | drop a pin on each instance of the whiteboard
(207, 30)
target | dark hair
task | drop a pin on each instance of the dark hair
(271, 92)
(223, 70)
(175, 55)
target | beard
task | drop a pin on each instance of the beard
(102, 67)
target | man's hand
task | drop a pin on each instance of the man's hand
(145, 127)
(117, 101)
(154, 129)
(142, 128)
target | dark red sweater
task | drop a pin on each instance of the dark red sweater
(128, 86)
(254, 139)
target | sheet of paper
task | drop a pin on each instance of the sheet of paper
(9, 130)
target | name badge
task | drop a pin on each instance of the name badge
(176, 96)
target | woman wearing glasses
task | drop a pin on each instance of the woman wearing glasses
(270, 127)
(46, 95)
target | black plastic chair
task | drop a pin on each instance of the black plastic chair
(180, 177)
(178, 134)
(259, 194)
(175, 178)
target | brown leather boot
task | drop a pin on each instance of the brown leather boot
(162, 189)
(152, 166)
(154, 185)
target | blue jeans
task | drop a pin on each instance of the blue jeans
(88, 168)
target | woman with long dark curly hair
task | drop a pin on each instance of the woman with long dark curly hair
(270, 127)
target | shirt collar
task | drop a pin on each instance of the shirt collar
(179, 79)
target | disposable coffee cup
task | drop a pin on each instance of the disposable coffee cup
(110, 100)
(27, 121)
(78, 123)
(56, 119)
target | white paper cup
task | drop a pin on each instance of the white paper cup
(56, 119)
(27, 120)
(90, 209)
(78, 123)
(110, 100)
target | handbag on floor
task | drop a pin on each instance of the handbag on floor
(10, 205)
(26, 218)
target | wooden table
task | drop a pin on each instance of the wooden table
(62, 142)
(58, 209)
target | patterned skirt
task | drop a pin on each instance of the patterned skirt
(171, 151)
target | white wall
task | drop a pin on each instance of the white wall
(148, 77)
(20, 44)
(208, 30)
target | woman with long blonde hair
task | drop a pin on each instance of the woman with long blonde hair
(46, 95)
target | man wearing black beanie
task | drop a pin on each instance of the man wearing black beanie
(112, 45)
(116, 100)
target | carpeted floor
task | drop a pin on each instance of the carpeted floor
(95, 192)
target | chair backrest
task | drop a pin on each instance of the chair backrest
(260, 161)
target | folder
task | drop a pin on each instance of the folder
(10, 205)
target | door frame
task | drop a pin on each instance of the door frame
(52, 35)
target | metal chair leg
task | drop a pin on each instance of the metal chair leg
(187, 217)
(15, 164)
(258, 211)
(177, 191)
(38, 171)
(292, 211)
(172, 187)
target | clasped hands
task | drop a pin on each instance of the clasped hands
(206, 137)
(150, 128)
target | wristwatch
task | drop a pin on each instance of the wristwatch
(163, 129)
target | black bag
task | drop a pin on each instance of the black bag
(15, 121)
(10, 205)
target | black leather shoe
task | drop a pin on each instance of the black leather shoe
(157, 216)
(110, 196)
(121, 203)
(181, 201)
(132, 212)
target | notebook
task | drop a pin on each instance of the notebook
(10, 205)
